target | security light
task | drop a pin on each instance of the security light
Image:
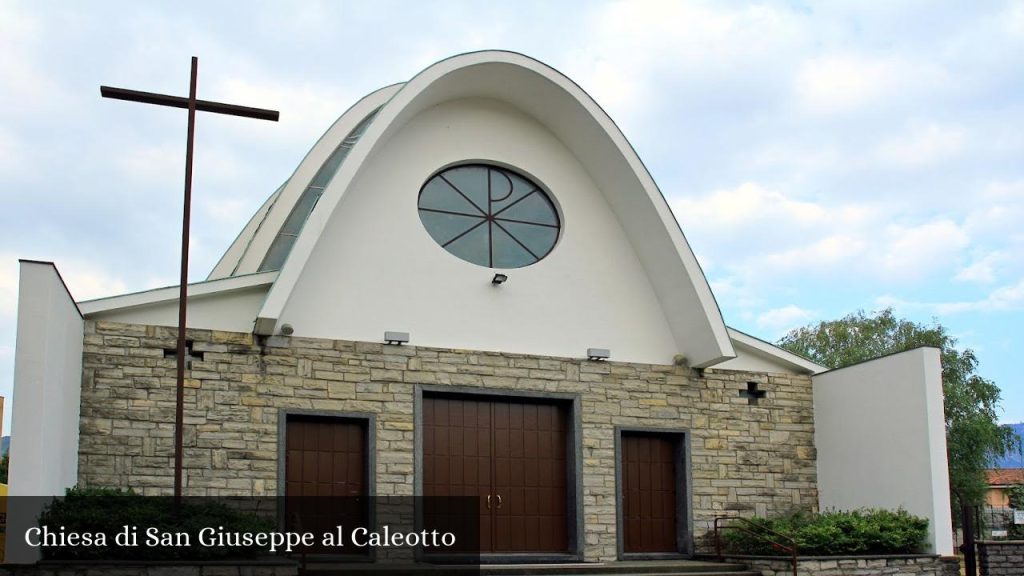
(396, 338)
(597, 354)
(499, 279)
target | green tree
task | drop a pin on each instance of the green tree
(5, 462)
(974, 437)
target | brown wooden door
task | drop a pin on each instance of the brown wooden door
(457, 453)
(325, 476)
(325, 457)
(513, 457)
(649, 493)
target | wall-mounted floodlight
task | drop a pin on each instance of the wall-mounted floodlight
(597, 354)
(287, 329)
(396, 338)
(499, 279)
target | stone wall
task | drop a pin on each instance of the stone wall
(1001, 558)
(755, 459)
(856, 566)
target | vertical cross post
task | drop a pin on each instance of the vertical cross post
(192, 104)
(179, 406)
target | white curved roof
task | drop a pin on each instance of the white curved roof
(566, 111)
(251, 248)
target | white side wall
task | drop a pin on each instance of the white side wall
(375, 268)
(47, 392)
(880, 437)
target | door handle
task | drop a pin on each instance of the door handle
(499, 501)
(488, 501)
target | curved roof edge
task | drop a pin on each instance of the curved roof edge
(228, 264)
(561, 104)
(248, 250)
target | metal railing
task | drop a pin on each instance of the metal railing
(759, 532)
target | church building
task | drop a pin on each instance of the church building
(471, 285)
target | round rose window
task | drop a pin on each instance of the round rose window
(489, 216)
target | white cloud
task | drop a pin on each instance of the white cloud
(26, 85)
(228, 211)
(8, 286)
(844, 83)
(829, 252)
(745, 205)
(1009, 297)
(11, 157)
(997, 213)
(833, 84)
(697, 34)
(799, 156)
(758, 236)
(85, 280)
(307, 109)
(632, 49)
(162, 162)
(779, 320)
(1014, 20)
(772, 234)
(922, 145)
(983, 270)
(911, 252)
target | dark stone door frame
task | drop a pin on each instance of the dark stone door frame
(574, 473)
(684, 493)
(367, 419)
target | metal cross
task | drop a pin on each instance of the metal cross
(752, 394)
(192, 104)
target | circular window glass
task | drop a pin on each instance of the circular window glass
(489, 216)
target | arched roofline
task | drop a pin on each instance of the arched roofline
(572, 115)
(250, 247)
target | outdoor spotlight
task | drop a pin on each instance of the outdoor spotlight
(597, 354)
(396, 338)
(499, 279)
(287, 329)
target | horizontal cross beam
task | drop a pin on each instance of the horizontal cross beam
(179, 102)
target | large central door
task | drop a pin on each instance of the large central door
(512, 455)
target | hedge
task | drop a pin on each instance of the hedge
(834, 533)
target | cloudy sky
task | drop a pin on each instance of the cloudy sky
(820, 157)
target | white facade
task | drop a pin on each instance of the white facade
(591, 291)
(880, 436)
(541, 109)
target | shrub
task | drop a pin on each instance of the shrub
(109, 510)
(834, 533)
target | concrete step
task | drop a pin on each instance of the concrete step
(627, 568)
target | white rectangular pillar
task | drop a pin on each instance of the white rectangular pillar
(881, 439)
(47, 393)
